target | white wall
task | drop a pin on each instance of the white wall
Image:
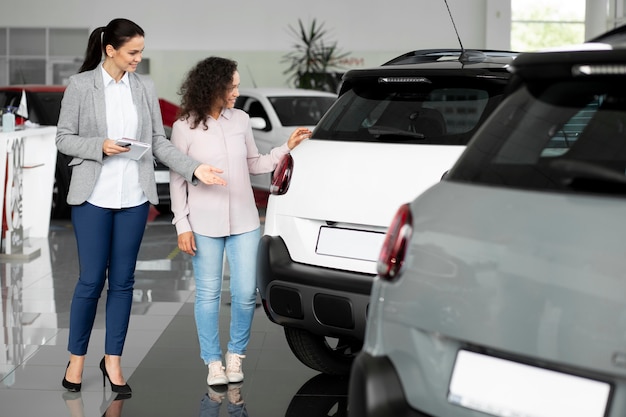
(255, 32)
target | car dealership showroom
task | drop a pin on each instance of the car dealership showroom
(401, 187)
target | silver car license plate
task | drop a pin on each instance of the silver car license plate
(506, 388)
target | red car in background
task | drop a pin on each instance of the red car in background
(44, 105)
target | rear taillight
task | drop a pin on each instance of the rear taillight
(282, 176)
(394, 248)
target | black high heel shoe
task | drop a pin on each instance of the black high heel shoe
(74, 403)
(70, 386)
(120, 389)
(107, 404)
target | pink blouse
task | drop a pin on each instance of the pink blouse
(228, 144)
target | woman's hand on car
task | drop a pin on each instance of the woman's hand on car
(297, 136)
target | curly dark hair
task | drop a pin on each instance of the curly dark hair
(206, 84)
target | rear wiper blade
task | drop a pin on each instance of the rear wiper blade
(588, 175)
(388, 130)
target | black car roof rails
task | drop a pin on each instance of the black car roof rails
(465, 56)
(424, 55)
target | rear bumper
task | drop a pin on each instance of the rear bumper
(324, 301)
(375, 389)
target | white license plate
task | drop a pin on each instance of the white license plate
(349, 243)
(161, 177)
(505, 388)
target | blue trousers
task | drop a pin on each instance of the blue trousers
(108, 243)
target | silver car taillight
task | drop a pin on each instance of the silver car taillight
(282, 176)
(396, 242)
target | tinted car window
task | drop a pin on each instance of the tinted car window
(44, 107)
(49, 107)
(568, 136)
(424, 112)
(3, 99)
(254, 108)
(9, 98)
(300, 111)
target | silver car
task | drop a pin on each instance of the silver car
(501, 290)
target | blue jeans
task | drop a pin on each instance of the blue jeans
(210, 408)
(241, 251)
(108, 244)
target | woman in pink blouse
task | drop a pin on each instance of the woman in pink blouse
(213, 219)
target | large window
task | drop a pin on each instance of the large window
(40, 55)
(539, 24)
(44, 55)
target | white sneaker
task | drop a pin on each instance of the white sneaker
(234, 393)
(233, 367)
(216, 374)
(217, 393)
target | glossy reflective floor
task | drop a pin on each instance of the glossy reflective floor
(161, 357)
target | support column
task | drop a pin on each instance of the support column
(498, 20)
(597, 17)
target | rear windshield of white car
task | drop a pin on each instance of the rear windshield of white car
(568, 136)
(434, 112)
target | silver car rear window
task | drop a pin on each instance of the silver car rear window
(568, 136)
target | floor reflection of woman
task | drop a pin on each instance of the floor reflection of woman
(212, 401)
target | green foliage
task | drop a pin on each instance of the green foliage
(313, 59)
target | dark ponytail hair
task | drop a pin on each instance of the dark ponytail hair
(116, 34)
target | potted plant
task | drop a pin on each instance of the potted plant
(313, 59)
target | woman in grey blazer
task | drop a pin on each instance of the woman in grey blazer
(110, 193)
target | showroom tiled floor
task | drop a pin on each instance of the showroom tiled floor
(161, 358)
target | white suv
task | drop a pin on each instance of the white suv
(394, 131)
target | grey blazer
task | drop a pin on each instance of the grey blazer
(82, 129)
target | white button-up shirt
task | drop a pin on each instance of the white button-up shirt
(118, 184)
